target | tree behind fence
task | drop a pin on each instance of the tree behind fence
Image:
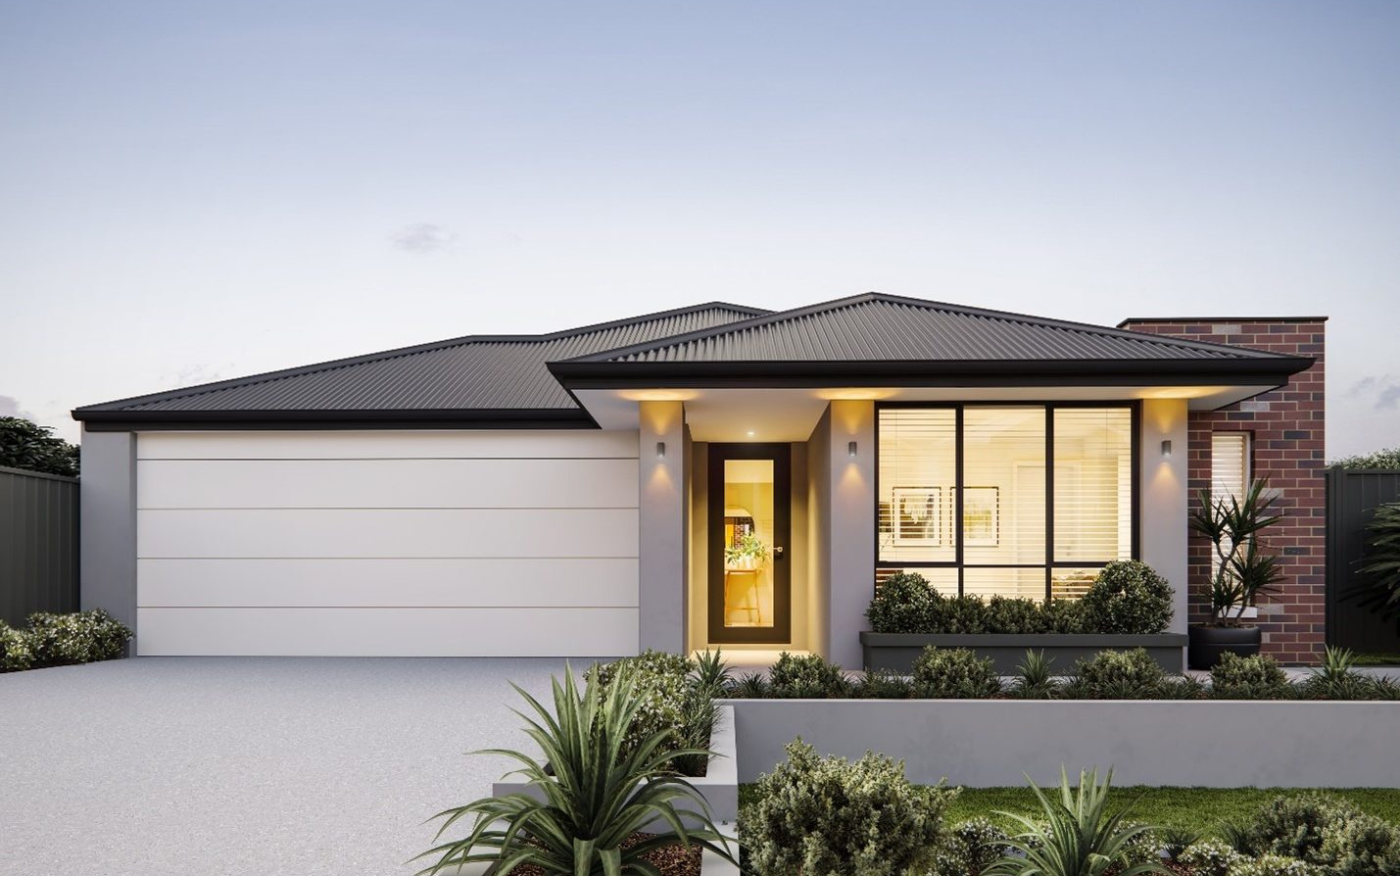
(1352, 499)
(38, 544)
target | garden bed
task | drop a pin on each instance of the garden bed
(896, 652)
(719, 786)
(990, 743)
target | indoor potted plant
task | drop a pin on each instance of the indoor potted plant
(747, 552)
(1243, 569)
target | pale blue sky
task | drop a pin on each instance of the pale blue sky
(192, 191)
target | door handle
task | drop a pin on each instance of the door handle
(777, 551)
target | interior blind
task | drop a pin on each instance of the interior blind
(918, 462)
(1229, 464)
(1093, 485)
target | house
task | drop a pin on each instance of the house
(715, 475)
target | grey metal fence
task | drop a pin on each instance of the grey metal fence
(1352, 499)
(38, 544)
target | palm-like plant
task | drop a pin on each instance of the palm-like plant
(1380, 591)
(597, 792)
(1078, 836)
(1234, 526)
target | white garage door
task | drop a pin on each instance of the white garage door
(389, 543)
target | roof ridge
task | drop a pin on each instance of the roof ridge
(412, 350)
(882, 297)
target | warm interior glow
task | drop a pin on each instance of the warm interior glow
(856, 393)
(641, 395)
(1004, 529)
(1187, 392)
(748, 543)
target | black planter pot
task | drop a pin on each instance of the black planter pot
(1208, 643)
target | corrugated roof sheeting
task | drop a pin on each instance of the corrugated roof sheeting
(882, 328)
(470, 373)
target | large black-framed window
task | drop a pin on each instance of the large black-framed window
(1006, 498)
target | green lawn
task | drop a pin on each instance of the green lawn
(1378, 659)
(1198, 809)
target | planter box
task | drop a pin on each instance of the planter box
(719, 786)
(990, 743)
(897, 651)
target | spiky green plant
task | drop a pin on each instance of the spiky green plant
(1076, 836)
(1034, 680)
(598, 792)
(1379, 591)
(1234, 526)
(1336, 678)
(711, 672)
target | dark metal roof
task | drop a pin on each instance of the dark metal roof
(875, 327)
(480, 377)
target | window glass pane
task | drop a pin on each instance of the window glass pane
(1022, 583)
(1093, 484)
(748, 542)
(1004, 486)
(1071, 583)
(918, 455)
(944, 580)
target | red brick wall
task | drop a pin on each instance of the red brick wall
(1288, 451)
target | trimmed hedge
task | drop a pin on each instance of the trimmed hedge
(62, 640)
(1127, 598)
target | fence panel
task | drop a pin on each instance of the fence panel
(1352, 499)
(38, 544)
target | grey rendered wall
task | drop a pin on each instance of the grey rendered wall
(990, 743)
(852, 535)
(819, 534)
(108, 531)
(1164, 493)
(38, 544)
(662, 508)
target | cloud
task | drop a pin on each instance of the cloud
(1382, 391)
(424, 237)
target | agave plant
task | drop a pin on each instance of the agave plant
(1078, 837)
(712, 673)
(1336, 678)
(1034, 680)
(597, 792)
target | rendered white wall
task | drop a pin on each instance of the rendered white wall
(388, 543)
(1164, 495)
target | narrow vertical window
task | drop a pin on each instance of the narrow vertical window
(1229, 464)
(918, 473)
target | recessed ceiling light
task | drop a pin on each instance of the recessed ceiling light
(750, 433)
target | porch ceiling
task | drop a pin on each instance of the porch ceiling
(790, 414)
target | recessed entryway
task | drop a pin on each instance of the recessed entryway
(749, 559)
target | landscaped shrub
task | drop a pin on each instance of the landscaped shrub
(711, 673)
(1017, 616)
(954, 673)
(883, 684)
(598, 792)
(80, 637)
(1128, 597)
(835, 817)
(1337, 679)
(750, 686)
(1209, 858)
(1066, 616)
(1272, 865)
(1257, 677)
(1361, 846)
(960, 614)
(970, 848)
(15, 653)
(1294, 826)
(902, 604)
(661, 684)
(1117, 675)
(806, 676)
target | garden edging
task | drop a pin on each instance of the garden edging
(897, 651)
(719, 786)
(990, 743)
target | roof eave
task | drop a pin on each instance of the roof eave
(1250, 371)
(500, 418)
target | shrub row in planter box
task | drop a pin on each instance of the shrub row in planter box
(1129, 606)
(62, 640)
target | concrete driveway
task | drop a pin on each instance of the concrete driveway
(264, 766)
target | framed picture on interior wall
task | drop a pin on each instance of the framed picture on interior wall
(981, 516)
(917, 517)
